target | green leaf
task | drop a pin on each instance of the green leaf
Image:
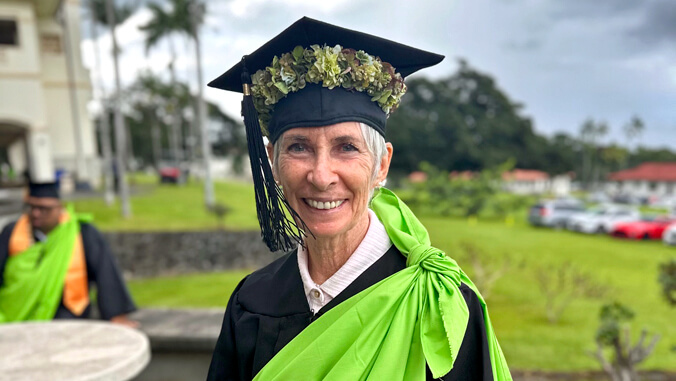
(282, 87)
(298, 53)
(386, 94)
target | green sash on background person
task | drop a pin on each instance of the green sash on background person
(391, 330)
(34, 279)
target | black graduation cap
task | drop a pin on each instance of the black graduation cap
(50, 190)
(312, 106)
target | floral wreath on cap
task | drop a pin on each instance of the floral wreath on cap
(335, 66)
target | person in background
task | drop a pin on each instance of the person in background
(50, 257)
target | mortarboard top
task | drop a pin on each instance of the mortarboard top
(314, 104)
(306, 31)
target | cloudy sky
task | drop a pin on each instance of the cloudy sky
(565, 60)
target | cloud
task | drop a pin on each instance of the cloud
(658, 26)
(565, 60)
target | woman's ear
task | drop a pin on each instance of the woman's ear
(385, 163)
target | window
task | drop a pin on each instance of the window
(8, 33)
(51, 43)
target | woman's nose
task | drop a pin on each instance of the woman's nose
(323, 175)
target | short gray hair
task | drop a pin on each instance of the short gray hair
(375, 143)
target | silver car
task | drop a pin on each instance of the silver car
(669, 236)
(554, 213)
(602, 219)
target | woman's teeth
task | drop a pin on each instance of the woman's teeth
(324, 205)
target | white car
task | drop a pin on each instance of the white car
(602, 219)
(669, 235)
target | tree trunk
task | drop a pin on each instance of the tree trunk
(175, 135)
(123, 188)
(157, 143)
(201, 109)
(108, 192)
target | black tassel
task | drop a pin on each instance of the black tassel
(279, 230)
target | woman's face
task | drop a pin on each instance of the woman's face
(327, 174)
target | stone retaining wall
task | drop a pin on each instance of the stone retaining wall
(156, 253)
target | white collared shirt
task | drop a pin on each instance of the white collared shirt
(374, 245)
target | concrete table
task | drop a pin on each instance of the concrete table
(83, 350)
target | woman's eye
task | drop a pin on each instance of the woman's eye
(349, 148)
(296, 147)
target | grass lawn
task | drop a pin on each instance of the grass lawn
(175, 207)
(516, 305)
(197, 290)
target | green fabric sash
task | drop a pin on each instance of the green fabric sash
(34, 279)
(392, 329)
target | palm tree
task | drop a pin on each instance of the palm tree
(161, 25)
(106, 13)
(108, 193)
(184, 18)
(197, 12)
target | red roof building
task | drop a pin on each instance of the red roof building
(656, 172)
(417, 177)
(525, 175)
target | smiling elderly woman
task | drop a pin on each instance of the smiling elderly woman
(361, 294)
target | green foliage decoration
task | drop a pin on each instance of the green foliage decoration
(331, 67)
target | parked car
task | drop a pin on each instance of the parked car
(598, 198)
(554, 213)
(173, 172)
(647, 228)
(669, 236)
(627, 199)
(602, 219)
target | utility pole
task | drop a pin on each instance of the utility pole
(120, 144)
(196, 13)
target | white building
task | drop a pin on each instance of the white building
(645, 180)
(44, 91)
(530, 181)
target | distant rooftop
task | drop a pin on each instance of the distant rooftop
(525, 175)
(651, 171)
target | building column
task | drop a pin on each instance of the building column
(40, 152)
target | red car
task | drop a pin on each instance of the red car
(643, 229)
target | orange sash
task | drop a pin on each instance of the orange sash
(76, 287)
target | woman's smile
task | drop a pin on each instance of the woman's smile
(323, 205)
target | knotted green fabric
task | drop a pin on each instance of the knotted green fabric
(33, 279)
(391, 330)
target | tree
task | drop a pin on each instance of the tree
(108, 14)
(150, 106)
(463, 122)
(163, 25)
(614, 332)
(591, 132)
(667, 279)
(97, 16)
(561, 284)
(184, 17)
(633, 129)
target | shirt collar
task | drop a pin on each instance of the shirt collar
(372, 247)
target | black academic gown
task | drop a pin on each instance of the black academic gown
(112, 295)
(269, 308)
